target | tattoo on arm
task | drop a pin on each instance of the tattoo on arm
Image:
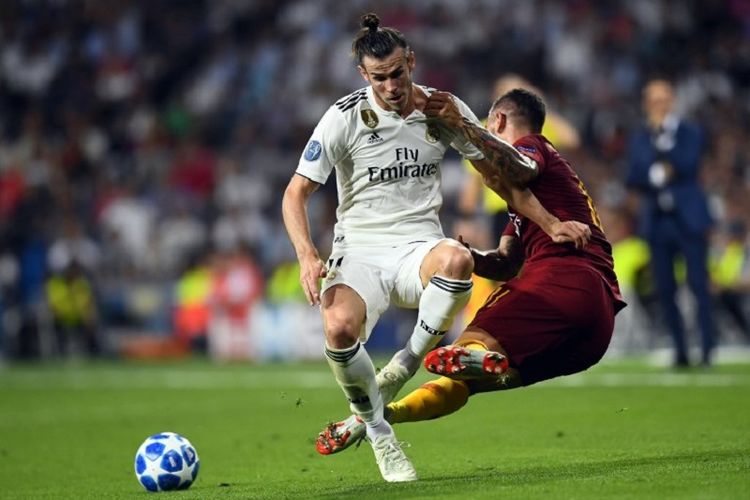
(503, 157)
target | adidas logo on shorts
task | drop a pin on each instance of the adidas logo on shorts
(374, 138)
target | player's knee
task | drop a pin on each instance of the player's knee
(341, 329)
(455, 261)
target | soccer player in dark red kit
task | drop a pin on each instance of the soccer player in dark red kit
(556, 317)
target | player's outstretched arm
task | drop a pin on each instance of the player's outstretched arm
(294, 210)
(500, 264)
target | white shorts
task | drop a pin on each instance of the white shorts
(380, 276)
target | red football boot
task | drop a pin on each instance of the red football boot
(338, 436)
(465, 364)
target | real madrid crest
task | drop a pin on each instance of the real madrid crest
(432, 134)
(369, 117)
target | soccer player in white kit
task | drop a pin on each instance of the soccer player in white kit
(389, 245)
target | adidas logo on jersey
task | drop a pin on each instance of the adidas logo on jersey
(374, 139)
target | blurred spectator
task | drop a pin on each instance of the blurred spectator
(9, 312)
(72, 302)
(286, 327)
(73, 245)
(632, 260)
(192, 300)
(32, 334)
(193, 171)
(238, 285)
(31, 63)
(283, 286)
(11, 191)
(178, 235)
(127, 223)
(242, 197)
(730, 274)
(237, 227)
(665, 157)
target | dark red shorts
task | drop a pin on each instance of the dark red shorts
(555, 319)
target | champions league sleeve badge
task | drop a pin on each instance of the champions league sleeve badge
(313, 150)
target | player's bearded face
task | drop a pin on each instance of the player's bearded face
(390, 78)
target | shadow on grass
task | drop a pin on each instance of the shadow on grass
(484, 478)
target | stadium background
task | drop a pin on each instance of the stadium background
(145, 146)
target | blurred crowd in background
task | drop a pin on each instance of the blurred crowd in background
(145, 146)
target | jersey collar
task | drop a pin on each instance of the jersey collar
(415, 115)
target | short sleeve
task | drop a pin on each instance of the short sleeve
(460, 143)
(325, 148)
(532, 148)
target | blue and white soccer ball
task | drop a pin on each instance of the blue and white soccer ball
(166, 461)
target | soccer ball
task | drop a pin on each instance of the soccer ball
(166, 461)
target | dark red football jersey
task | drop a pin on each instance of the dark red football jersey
(562, 193)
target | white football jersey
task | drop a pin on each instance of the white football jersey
(387, 169)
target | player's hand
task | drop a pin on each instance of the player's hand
(480, 259)
(570, 231)
(312, 269)
(441, 106)
(489, 264)
(461, 240)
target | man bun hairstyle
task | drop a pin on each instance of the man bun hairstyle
(374, 41)
(371, 21)
(523, 107)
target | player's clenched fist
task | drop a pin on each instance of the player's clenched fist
(441, 105)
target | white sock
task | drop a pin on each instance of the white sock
(355, 374)
(441, 300)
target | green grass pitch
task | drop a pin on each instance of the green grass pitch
(621, 430)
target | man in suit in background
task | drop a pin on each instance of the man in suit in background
(664, 163)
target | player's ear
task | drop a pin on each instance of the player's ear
(411, 60)
(363, 72)
(492, 122)
(501, 121)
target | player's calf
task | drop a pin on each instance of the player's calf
(460, 363)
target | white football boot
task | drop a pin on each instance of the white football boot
(394, 465)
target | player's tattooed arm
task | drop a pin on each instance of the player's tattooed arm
(500, 158)
(500, 264)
